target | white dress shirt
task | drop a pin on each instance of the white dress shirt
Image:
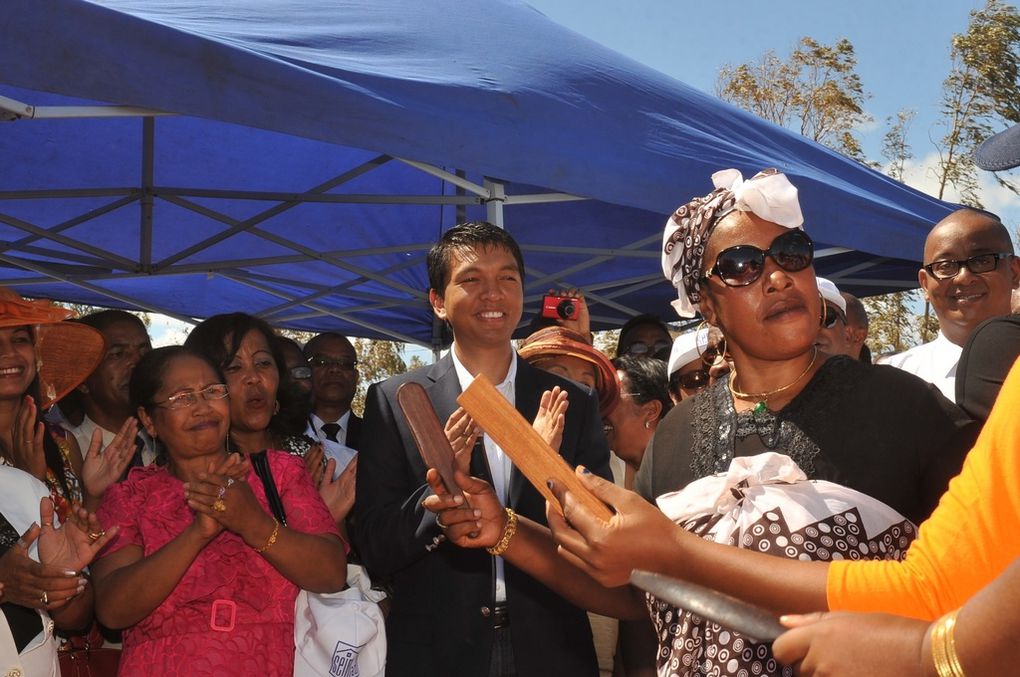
(499, 463)
(338, 450)
(934, 362)
(83, 436)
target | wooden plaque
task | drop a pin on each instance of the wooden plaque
(428, 433)
(525, 447)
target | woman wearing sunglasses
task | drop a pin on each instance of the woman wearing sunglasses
(740, 256)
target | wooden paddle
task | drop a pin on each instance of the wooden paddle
(428, 433)
(525, 447)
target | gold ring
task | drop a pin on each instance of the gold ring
(219, 506)
(96, 535)
(45, 599)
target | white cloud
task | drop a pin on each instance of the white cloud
(920, 174)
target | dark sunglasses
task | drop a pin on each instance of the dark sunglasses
(743, 264)
(831, 316)
(642, 348)
(980, 263)
(694, 380)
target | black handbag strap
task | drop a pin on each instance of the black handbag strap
(260, 462)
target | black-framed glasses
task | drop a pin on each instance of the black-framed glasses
(217, 391)
(831, 316)
(642, 348)
(743, 264)
(947, 269)
(694, 380)
(323, 362)
(300, 373)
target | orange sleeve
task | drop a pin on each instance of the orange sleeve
(972, 536)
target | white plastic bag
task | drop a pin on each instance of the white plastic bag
(342, 634)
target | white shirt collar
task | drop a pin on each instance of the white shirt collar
(465, 377)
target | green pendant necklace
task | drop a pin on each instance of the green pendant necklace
(763, 398)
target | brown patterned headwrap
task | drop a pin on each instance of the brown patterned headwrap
(768, 194)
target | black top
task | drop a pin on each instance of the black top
(24, 623)
(873, 428)
(987, 357)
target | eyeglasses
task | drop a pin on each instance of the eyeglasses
(216, 391)
(694, 380)
(642, 348)
(947, 269)
(832, 314)
(323, 362)
(741, 265)
(300, 373)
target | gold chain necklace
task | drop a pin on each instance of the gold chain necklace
(763, 398)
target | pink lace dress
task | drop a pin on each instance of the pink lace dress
(232, 613)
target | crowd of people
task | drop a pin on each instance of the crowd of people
(177, 500)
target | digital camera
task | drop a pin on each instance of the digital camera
(561, 307)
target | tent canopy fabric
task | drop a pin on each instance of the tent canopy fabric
(308, 152)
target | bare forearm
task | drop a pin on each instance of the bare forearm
(312, 562)
(77, 614)
(126, 595)
(777, 583)
(533, 550)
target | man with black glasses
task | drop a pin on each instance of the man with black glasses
(334, 365)
(968, 276)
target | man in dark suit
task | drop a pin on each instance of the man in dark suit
(459, 611)
(334, 365)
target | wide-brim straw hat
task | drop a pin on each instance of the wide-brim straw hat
(553, 341)
(65, 352)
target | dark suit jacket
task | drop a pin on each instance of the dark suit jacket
(438, 624)
(354, 432)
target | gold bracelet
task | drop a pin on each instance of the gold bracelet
(272, 537)
(943, 647)
(508, 532)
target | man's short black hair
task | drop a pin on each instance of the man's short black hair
(465, 236)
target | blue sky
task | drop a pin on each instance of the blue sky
(902, 49)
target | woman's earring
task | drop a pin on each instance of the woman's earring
(276, 408)
(647, 425)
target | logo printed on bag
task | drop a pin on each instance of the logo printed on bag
(345, 661)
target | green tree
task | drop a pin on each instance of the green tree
(377, 360)
(982, 91)
(816, 92)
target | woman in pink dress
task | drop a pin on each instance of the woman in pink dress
(202, 576)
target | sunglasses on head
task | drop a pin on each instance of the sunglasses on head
(743, 264)
(831, 316)
(694, 380)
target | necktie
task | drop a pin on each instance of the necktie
(331, 430)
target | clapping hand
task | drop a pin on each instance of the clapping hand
(221, 497)
(64, 551)
(338, 493)
(551, 417)
(104, 466)
(27, 438)
(463, 434)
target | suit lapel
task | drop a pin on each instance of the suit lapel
(528, 395)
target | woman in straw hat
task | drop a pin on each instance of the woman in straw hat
(42, 358)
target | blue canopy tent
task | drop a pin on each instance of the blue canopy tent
(296, 158)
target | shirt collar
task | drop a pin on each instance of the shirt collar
(465, 377)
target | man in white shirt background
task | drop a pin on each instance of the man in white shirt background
(104, 394)
(968, 276)
(334, 365)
